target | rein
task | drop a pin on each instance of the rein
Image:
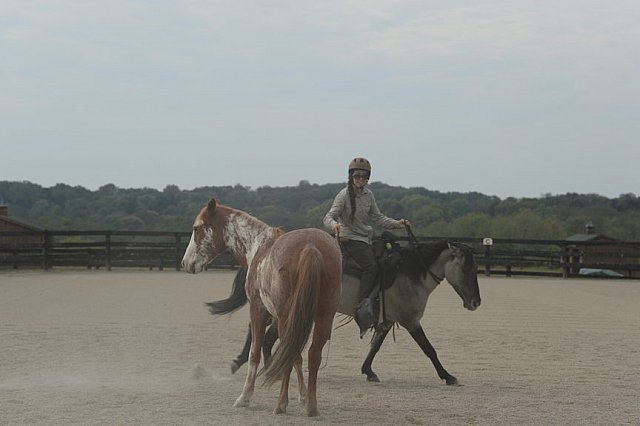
(414, 243)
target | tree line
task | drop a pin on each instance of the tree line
(432, 213)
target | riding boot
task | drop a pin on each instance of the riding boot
(365, 317)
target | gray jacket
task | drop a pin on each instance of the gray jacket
(366, 211)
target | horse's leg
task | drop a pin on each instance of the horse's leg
(283, 398)
(270, 338)
(258, 326)
(321, 333)
(244, 355)
(381, 333)
(422, 340)
(302, 389)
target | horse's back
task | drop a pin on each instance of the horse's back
(291, 249)
(307, 235)
(290, 245)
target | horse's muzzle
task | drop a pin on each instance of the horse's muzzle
(189, 267)
(472, 305)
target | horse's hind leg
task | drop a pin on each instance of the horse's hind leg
(422, 340)
(378, 338)
(321, 333)
(302, 389)
(283, 398)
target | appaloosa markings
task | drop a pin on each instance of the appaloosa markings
(293, 277)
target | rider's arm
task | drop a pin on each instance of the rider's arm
(331, 219)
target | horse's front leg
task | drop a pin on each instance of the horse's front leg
(244, 355)
(422, 340)
(378, 338)
(270, 338)
(258, 326)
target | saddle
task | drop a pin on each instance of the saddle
(388, 254)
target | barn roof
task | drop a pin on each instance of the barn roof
(583, 238)
(19, 224)
(589, 235)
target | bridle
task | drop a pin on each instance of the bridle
(415, 245)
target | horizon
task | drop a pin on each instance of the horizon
(250, 188)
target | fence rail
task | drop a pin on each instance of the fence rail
(98, 249)
(154, 249)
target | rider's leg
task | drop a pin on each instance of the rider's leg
(362, 253)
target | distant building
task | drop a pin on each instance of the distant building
(592, 250)
(10, 225)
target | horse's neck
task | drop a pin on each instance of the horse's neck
(437, 270)
(244, 235)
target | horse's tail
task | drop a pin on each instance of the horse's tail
(235, 301)
(301, 312)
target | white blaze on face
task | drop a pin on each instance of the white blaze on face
(189, 254)
(196, 255)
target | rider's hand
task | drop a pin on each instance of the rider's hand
(336, 229)
(405, 223)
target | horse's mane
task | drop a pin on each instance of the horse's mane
(469, 260)
(276, 231)
(417, 261)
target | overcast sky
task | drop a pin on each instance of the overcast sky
(504, 97)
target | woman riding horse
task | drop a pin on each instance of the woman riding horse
(352, 210)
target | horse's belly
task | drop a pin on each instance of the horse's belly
(349, 299)
(270, 282)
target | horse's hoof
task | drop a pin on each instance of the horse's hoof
(452, 381)
(373, 378)
(279, 410)
(234, 366)
(241, 402)
(313, 413)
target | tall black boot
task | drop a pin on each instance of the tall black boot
(365, 316)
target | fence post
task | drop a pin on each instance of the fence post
(564, 263)
(487, 242)
(178, 257)
(46, 250)
(107, 240)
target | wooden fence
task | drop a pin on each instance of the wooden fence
(99, 249)
(147, 249)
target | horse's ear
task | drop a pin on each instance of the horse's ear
(212, 205)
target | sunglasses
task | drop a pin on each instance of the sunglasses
(360, 176)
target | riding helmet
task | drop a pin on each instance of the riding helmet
(360, 163)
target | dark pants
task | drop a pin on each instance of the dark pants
(362, 253)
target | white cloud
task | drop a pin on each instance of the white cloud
(494, 29)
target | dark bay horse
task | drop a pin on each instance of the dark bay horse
(420, 272)
(293, 278)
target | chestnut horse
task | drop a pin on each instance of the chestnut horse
(293, 278)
